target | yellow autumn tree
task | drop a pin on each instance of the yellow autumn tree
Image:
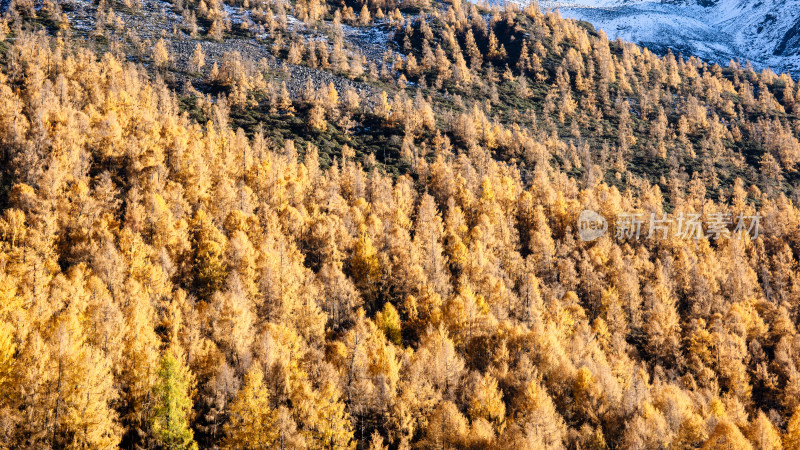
(791, 439)
(251, 422)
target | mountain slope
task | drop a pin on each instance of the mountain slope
(271, 223)
(767, 33)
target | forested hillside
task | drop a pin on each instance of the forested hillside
(271, 224)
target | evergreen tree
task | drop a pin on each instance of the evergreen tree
(173, 403)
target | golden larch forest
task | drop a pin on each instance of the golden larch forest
(310, 224)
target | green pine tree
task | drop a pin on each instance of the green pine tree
(173, 403)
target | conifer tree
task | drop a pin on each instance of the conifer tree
(209, 267)
(365, 267)
(388, 320)
(331, 428)
(791, 439)
(198, 58)
(161, 56)
(173, 402)
(251, 422)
